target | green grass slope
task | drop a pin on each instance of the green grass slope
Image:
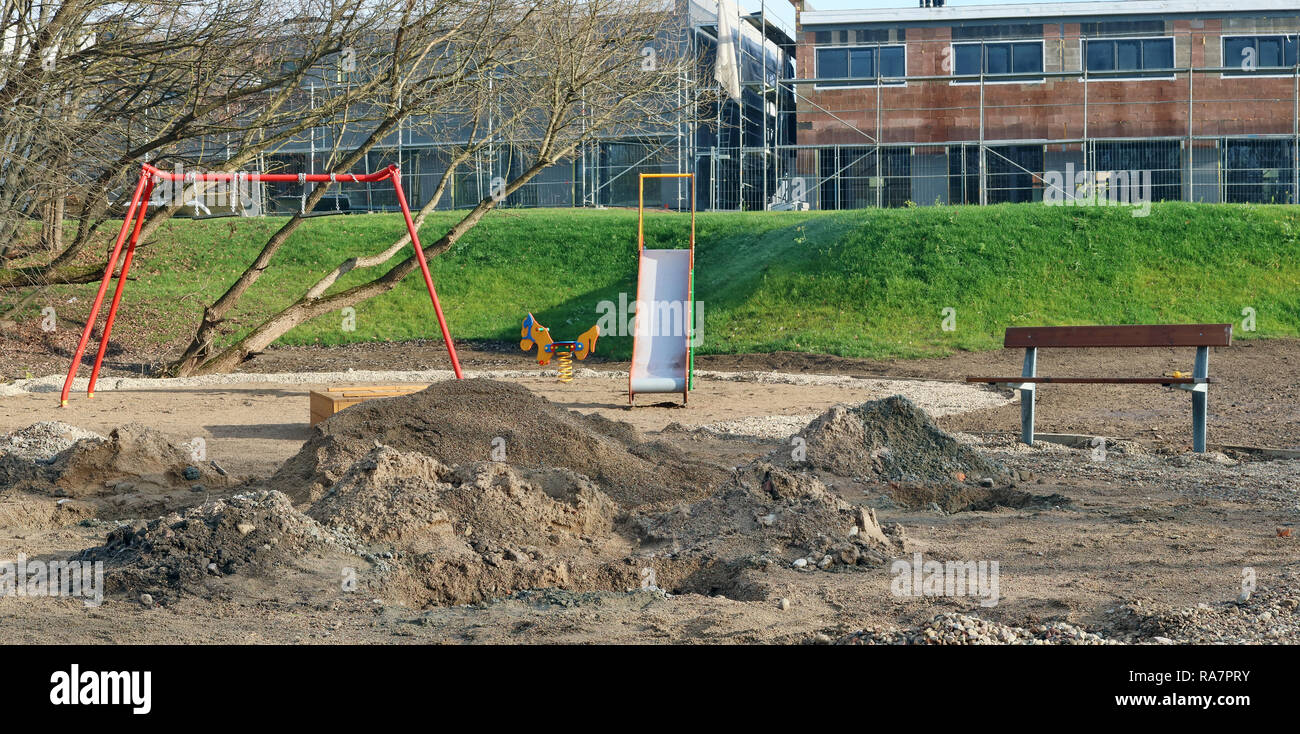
(858, 283)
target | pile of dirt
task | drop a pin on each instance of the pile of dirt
(887, 440)
(477, 531)
(486, 530)
(766, 514)
(133, 459)
(468, 421)
(42, 441)
(416, 503)
(253, 533)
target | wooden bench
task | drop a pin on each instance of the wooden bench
(1032, 338)
(333, 399)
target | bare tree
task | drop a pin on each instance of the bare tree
(434, 54)
(576, 71)
(90, 88)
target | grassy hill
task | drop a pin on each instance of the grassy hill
(857, 283)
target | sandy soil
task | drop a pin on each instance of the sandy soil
(1146, 526)
(251, 428)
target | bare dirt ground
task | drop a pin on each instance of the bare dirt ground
(1142, 543)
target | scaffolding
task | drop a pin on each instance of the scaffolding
(1198, 130)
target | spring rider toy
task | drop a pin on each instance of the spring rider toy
(534, 334)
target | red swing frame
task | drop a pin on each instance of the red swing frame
(134, 220)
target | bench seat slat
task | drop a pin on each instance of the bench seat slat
(1102, 380)
(1129, 335)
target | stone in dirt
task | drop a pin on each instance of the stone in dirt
(463, 421)
(888, 440)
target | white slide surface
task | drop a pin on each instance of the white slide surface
(659, 354)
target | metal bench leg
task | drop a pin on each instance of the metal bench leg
(1200, 400)
(1027, 397)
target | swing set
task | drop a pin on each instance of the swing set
(133, 221)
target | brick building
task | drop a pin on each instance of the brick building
(975, 103)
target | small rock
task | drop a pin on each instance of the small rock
(191, 473)
(986, 482)
(783, 604)
(212, 568)
(197, 488)
(825, 562)
(800, 562)
(245, 528)
(146, 600)
(822, 639)
(767, 520)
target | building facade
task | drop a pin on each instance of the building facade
(705, 140)
(979, 104)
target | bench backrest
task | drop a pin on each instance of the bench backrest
(1139, 335)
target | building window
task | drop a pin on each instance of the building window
(994, 59)
(1256, 54)
(1010, 173)
(997, 32)
(1257, 171)
(1123, 28)
(864, 65)
(1144, 57)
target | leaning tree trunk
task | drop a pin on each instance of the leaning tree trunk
(309, 307)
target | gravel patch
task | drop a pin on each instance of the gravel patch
(953, 628)
(42, 441)
(759, 426)
(1210, 475)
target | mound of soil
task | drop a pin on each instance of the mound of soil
(417, 503)
(487, 530)
(132, 459)
(38, 513)
(477, 531)
(252, 533)
(767, 514)
(464, 421)
(888, 440)
(44, 440)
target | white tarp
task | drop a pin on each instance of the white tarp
(727, 69)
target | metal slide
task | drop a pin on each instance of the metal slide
(661, 346)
